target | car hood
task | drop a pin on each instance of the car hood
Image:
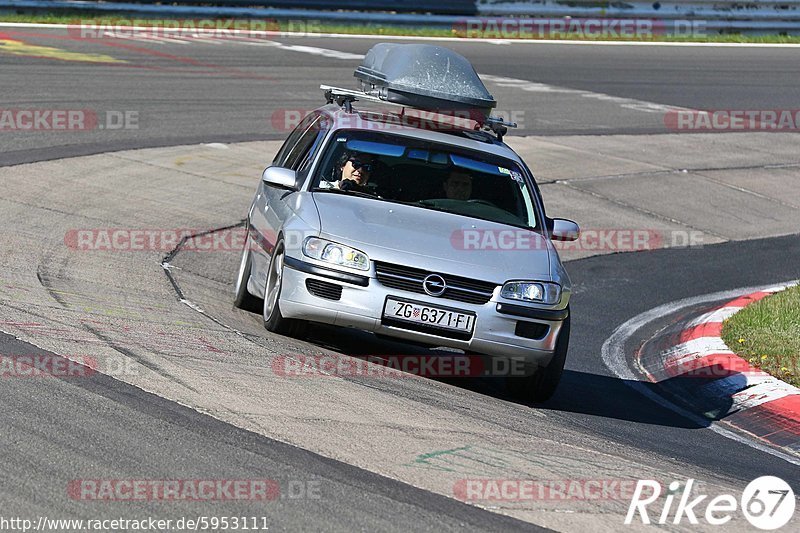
(434, 240)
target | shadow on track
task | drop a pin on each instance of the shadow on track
(612, 397)
(578, 392)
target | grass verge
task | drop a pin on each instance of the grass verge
(767, 334)
(68, 17)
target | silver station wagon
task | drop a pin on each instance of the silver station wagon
(417, 223)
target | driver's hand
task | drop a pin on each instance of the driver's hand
(347, 185)
(350, 185)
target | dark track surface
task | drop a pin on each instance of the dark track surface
(200, 92)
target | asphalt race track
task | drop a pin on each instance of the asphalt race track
(201, 92)
(347, 453)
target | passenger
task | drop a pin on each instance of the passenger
(458, 185)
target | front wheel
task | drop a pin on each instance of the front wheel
(541, 386)
(243, 299)
(273, 319)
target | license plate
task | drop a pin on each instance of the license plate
(426, 314)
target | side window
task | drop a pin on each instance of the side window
(303, 146)
(305, 162)
(291, 141)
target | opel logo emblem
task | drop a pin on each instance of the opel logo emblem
(434, 285)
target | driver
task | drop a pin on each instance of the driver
(458, 185)
(353, 170)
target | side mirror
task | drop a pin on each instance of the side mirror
(280, 177)
(564, 230)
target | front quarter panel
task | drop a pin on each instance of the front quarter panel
(291, 215)
(560, 276)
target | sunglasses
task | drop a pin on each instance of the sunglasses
(366, 167)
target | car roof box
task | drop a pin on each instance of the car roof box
(426, 77)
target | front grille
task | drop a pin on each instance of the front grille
(410, 279)
(323, 289)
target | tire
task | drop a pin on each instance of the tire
(541, 386)
(242, 297)
(271, 310)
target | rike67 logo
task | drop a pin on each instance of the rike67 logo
(767, 503)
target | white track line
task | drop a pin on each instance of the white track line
(324, 52)
(613, 353)
(627, 103)
(514, 83)
(307, 35)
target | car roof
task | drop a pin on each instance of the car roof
(381, 121)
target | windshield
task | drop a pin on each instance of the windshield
(428, 175)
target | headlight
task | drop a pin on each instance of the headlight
(532, 291)
(336, 254)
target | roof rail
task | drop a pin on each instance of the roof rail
(344, 98)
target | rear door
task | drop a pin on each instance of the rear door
(271, 209)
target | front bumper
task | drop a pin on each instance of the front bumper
(361, 305)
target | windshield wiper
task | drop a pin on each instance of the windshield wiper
(428, 205)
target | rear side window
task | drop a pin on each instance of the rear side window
(303, 146)
(291, 141)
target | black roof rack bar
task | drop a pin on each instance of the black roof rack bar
(498, 126)
(500, 122)
(345, 97)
